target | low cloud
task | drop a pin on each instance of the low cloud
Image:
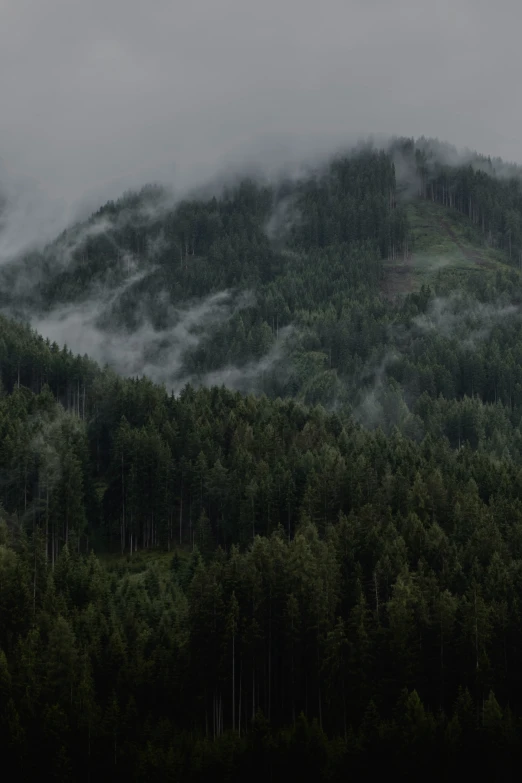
(246, 378)
(462, 318)
(147, 351)
(372, 382)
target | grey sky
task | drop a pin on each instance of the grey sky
(97, 95)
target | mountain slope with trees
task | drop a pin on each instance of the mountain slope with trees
(304, 579)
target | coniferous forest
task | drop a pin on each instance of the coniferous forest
(295, 551)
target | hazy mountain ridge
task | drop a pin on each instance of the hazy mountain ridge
(368, 542)
(125, 281)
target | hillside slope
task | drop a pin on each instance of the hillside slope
(440, 239)
(291, 583)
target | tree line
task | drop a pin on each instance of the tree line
(307, 579)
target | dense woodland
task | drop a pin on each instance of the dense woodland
(305, 580)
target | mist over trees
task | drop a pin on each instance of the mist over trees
(309, 572)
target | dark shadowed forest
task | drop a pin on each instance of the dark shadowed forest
(284, 540)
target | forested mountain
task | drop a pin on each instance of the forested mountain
(301, 554)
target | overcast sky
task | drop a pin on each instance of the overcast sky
(97, 95)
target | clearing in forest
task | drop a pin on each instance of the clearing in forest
(398, 276)
(441, 238)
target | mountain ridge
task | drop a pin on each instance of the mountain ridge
(315, 569)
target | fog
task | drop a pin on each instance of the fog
(155, 353)
(105, 96)
(101, 96)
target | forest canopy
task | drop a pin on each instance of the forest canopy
(296, 548)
